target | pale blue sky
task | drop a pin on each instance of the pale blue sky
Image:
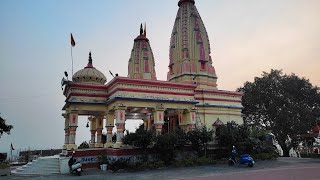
(247, 37)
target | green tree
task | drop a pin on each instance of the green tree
(166, 147)
(141, 138)
(246, 139)
(287, 105)
(4, 128)
(83, 145)
(200, 138)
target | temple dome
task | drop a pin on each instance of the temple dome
(182, 1)
(89, 75)
(189, 52)
(141, 63)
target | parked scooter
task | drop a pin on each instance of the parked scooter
(75, 167)
(244, 159)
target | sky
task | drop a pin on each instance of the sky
(247, 37)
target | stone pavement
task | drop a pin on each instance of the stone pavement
(282, 168)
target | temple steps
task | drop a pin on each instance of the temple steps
(41, 166)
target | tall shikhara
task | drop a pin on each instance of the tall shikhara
(141, 62)
(190, 59)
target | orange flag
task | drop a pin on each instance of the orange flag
(73, 43)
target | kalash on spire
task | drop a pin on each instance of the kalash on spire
(141, 62)
(190, 59)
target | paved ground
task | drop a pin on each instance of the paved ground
(281, 169)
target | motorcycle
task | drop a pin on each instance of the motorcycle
(244, 159)
(76, 168)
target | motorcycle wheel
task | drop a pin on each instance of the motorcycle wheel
(250, 165)
(230, 163)
(79, 173)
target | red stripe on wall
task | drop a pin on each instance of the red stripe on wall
(218, 92)
(150, 83)
(103, 87)
(150, 91)
(216, 99)
(87, 95)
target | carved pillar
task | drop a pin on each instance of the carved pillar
(145, 124)
(99, 125)
(93, 131)
(66, 130)
(149, 123)
(191, 119)
(158, 116)
(120, 115)
(73, 124)
(109, 126)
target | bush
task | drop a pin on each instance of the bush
(265, 156)
(199, 139)
(121, 163)
(151, 165)
(248, 140)
(194, 162)
(103, 159)
(83, 145)
(4, 165)
(310, 155)
(141, 138)
(165, 146)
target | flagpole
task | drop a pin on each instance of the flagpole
(72, 60)
(73, 43)
(11, 153)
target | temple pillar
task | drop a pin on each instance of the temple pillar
(145, 124)
(191, 119)
(93, 130)
(109, 126)
(66, 130)
(73, 124)
(149, 126)
(99, 126)
(120, 115)
(158, 116)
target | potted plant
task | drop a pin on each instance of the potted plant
(103, 162)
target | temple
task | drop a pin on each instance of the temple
(188, 99)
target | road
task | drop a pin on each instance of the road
(281, 169)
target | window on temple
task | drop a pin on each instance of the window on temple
(203, 65)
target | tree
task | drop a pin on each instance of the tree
(4, 128)
(246, 139)
(287, 105)
(200, 138)
(141, 138)
(166, 146)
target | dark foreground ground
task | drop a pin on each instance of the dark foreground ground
(281, 169)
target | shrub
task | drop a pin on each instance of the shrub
(83, 145)
(165, 146)
(194, 162)
(121, 163)
(103, 159)
(141, 138)
(310, 155)
(265, 156)
(199, 139)
(4, 165)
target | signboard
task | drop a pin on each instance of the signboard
(88, 159)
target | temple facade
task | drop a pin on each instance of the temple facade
(188, 99)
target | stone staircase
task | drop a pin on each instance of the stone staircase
(42, 166)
